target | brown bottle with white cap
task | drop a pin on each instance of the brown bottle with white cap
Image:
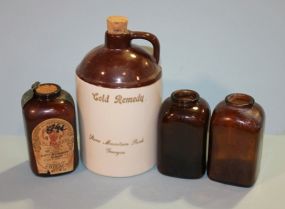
(119, 96)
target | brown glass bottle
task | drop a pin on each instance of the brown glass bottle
(119, 96)
(50, 123)
(182, 135)
(235, 142)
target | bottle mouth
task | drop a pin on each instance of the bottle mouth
(47, 90)
(239, 100)
(185, 97)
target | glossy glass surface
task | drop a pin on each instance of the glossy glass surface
(37, 108)
(235, 142)
(182, 135)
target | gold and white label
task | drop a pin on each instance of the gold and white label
(118, 127)
(53, 146)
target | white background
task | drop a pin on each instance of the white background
(213, 47)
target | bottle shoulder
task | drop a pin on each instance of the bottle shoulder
(37, 109)
(128, 67)
(248, 117)
(200, 112)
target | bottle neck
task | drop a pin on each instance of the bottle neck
(117, 41)
(47, 91)
(185, 98)
(239, 100)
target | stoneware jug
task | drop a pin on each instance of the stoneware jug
(119, 95)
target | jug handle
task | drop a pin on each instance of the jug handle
(151, 38)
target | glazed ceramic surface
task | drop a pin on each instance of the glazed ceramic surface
(119, 95)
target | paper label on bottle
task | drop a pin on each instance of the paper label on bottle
(118, 127)
(53, 146)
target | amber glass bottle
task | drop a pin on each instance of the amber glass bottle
(50, 123)
(119, 95)
(235, 142)
(182, 135)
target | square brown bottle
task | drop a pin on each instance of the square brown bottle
(235, 143)
(182, 135)
(50, 123)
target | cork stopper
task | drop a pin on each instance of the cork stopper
(117, 24)
(47, 89)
